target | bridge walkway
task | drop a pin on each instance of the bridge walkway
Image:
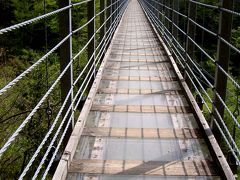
(138, 122)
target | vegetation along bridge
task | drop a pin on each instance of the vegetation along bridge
(120, 89)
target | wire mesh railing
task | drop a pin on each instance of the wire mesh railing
(201, 35)
(78, 55)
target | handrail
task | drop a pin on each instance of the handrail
(161, 14)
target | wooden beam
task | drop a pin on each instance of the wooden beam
(138, 48)
(145, 67)
(139, 91)
(135, 167)
(146, 60)
(139, 78)
(141, 108)
(184, 133)
(157, 54)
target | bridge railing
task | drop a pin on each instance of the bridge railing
(200, 36)
(70, 82)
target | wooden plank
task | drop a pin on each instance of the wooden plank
(139, 78)
(134, 78)
(139, 91)
(135, 167)
(141, 108)
(138, 48)
(153, 40)
(146, 60)
(156, 54)
(140, 68)
(145, 42)
(184, 133)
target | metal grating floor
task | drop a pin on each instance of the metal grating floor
(140, 125)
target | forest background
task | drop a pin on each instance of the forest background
(20, 48)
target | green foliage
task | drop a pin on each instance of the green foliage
(27, 9)
(236, 37)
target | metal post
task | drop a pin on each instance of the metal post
(108, 14)
(169, 12)
(111, 21)
(153, 7)
(113, 11)
(166, 22)
(223, 55)
(102, 21)
(157, 9)
(164, 17)
(191, 29)
(108, 24)
(113, 14)
(199, 102)
(175, 7)
(118, 6)
(91, 33)
(65, 52)
(223, 58)
(166, 14)
(102, 18)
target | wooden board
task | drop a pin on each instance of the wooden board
(140, 68)
(156, 54)
(135, 167)
(162, 60)
(139, 91)
(141, 108)
(139, 78)
(154, 48)
(184, 133)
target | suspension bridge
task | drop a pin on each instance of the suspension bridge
(140, 119)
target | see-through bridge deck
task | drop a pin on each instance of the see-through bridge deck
(140, 124)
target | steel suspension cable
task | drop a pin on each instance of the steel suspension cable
(48, 134)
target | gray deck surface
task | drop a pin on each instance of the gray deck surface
(140, 125)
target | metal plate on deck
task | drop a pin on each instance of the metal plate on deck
(140, 120)
(111, 148)
(148, 133)
(173, 85)
(140, 73)
(141, 99)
